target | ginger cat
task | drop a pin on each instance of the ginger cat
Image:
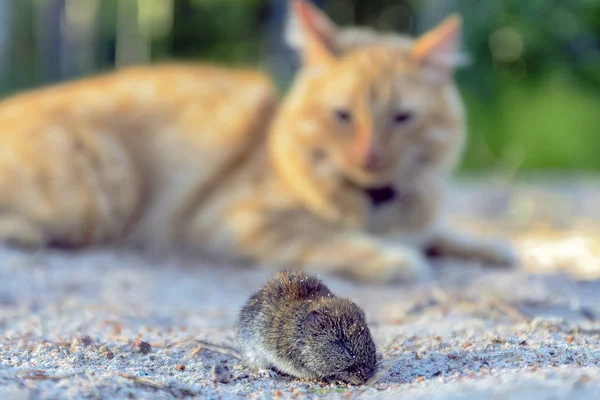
(427, 155)
(203, 158)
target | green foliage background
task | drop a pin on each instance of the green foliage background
(532, 90)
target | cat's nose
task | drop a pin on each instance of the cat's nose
(372, 160)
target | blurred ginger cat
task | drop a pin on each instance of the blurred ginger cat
(203, 158)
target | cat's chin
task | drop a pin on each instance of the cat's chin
(366, 182)
(416, 174)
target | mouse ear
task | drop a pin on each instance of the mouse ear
(311, 317)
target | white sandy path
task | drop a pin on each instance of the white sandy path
(474, 333)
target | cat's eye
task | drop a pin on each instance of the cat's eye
(402, 117)
(343, 116)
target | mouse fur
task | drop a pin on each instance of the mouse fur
(295, 325)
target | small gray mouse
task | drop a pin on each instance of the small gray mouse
(296, 326)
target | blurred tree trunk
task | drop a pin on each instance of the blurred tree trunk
(278, 59)
(80, 35)
(49, 40)
(5, 40)
(132, 46)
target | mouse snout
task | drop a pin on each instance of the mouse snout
(356, 380)
(359, 377)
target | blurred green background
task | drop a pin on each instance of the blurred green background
(532, 90)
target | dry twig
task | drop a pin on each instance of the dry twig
(177, 343)
(217, 348)
(507, 309)
(42, 375)
(143, 381)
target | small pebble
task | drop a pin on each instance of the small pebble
(81, 341)
(106, 352)
(221, 374)
(141, 347)
(584, 379)
(116, 330)
(452, 355)
(569, 339)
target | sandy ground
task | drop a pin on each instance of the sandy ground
(69, 321)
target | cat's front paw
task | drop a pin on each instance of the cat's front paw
(401, 264)
(497, 252)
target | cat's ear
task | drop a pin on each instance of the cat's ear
(440, 47)
(310, 32)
